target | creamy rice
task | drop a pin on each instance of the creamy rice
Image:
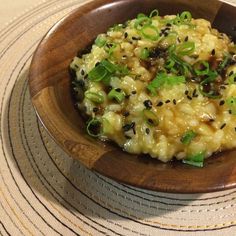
(162, 86)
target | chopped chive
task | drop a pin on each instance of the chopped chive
(94, 97)
(188, 137)
(118, 96)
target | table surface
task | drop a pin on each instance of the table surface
(45, 192)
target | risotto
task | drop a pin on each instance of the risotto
(163, 86)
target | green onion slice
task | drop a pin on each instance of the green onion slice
(154, 13)
(94, 97)
(150, 117)
(142, 21)
(150, 32)
(106, 126)
(201, 67)
(223, 64)
(186, 48)
(118, 96)
(232, 79)
(100, 41)
(195, 160)
(109, 66)
(94, 127)
(144, 54)
(110, 47)
(97, 73)
(185, 16)
(188, 137)
(231, 103)
(141, 15)
(212, 75)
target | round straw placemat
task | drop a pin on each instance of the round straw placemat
(45, 192)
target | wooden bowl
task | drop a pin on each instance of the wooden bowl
(51, 96)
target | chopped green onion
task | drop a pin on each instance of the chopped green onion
(97, 73)
(177, 20)
(232, 79)
(188, 137)
(122, 70)
(163, 79)
(144, 54)
(185, 16)
(109, 66)
(231, 103)
(94, 127)
(142, 21)
(110, 47)
(169, 63)
(154, 13)
(118, 96)
(212, 75)
(186, 48)
(100, 41)
(141, 15)
(106, 126)
(116, 27)
(94, 97)
(150, 117)
(195, 160)
(150, 32)
(201, 68)
(223, 64)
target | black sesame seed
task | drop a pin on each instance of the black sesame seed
(95, 109)
(174, 101)
(231, 73)
(213, 52)
(222, 102)
(150, 121)
(230, 111)
(147, 104)
(147, 131)
(126, 34)
(82, 72)
(235, 129)
(167, 101)
(134, 92)
(186, 92)
(127, 127)
(168, 24)
(97, 64)
(136, 38)
(128, 137)
(222, 126)
(194, 92)
(186, 39)
(222, 87)
(118, 90)
(126, 113)
(159, 104)
(235, 79)
(190, 98)
(76, 66)
(179, 40)
(211, 120)
(127, 96)
(166, 34)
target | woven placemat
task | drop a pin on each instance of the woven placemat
(45, 192)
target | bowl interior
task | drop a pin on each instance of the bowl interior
(51, 96)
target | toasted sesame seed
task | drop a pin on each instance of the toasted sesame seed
(213, 52)
(222, 126)
(126, 113)
(159, 104)
(95, 109)
(147, 104)
(222, 102)
(147, 131)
